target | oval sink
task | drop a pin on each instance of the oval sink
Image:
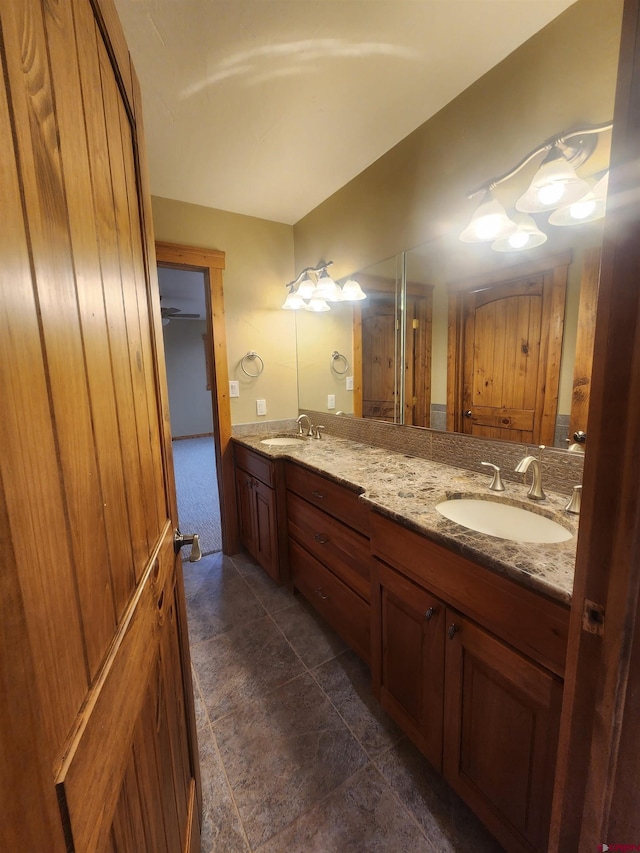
(503, 520)
(282, 441)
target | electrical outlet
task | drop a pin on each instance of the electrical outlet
(234, 388)
(261, 407)
(349, 383)
(331, 401)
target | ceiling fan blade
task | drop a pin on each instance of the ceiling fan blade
(168, 312)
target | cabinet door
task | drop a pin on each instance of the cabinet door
(245, 499)
(501, 720)
(412, 660)
(266, 528)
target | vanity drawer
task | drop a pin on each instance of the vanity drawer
(261, 468)
(528, 621)
(331, 497)
(343, 609)
(339, 547)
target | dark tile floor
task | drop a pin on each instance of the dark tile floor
(295, 753)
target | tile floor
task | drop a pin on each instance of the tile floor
(295, 753)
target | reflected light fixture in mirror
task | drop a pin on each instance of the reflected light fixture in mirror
(316, 296)
(555, 187)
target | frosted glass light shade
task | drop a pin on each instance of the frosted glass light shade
(327, 287)
(352, 292)
(590, 207)
(306, 288)
(489, 222)
(555, 184)
(317, 302)
(527, 236)
(293, 301)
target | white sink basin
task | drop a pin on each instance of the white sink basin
(282, 441)
(503, 520)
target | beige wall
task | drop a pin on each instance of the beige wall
(564, 76)
(320, 335)
(259, 262)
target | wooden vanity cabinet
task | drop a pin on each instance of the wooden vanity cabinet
(501, 722)
(472, 676)
(258, 511)
(411, 659)
(329, 553)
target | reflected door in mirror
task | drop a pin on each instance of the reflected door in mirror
(508, 358)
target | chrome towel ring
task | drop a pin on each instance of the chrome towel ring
(336, 358)
(252, 357)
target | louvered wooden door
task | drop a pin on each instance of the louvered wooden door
(96, 711)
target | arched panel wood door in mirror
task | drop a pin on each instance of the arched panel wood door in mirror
(505, 348)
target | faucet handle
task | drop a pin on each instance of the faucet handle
(317, 431)
(496, 484)
(576, 498)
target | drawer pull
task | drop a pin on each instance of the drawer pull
(321, 594)
(431, 612)
(317, 495)
(319, 537)
(453, 630)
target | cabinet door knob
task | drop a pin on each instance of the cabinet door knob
(430, 613)
(319, 537)
(453, 630)
(323, 595)
(317, 495)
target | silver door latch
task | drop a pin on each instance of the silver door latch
(180, 539)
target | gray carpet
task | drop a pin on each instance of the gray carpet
(197, 488)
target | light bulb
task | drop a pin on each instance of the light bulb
(582, 209)
(551, 194)
(519, 239)
(487, 227)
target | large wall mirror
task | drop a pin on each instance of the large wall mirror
(456, 336)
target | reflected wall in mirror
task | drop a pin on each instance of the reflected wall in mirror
(444, 268)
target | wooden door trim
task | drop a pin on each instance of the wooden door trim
(585, 340)
(212, 263)
(357, 360)
(595, 796)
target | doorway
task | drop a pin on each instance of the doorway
(185, 337)
(204, 297)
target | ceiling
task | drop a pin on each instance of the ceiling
(267, 107)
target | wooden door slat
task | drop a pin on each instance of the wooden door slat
(95, 123)
(45, 206)
(75, 161)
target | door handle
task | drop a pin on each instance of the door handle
(180, 539)
(468, 413)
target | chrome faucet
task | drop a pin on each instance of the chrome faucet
(309, 425)
(535, 492)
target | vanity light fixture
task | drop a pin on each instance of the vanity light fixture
(555, 187)
(316, 295)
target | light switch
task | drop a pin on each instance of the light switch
(331, 401)
(261, 407)
(234, 388)
(349, 383)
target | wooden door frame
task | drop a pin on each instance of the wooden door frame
(212, 263)
(554, 265)
(595, 799)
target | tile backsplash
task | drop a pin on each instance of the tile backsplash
(561, 470)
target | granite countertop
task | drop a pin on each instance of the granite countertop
(407, 489)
